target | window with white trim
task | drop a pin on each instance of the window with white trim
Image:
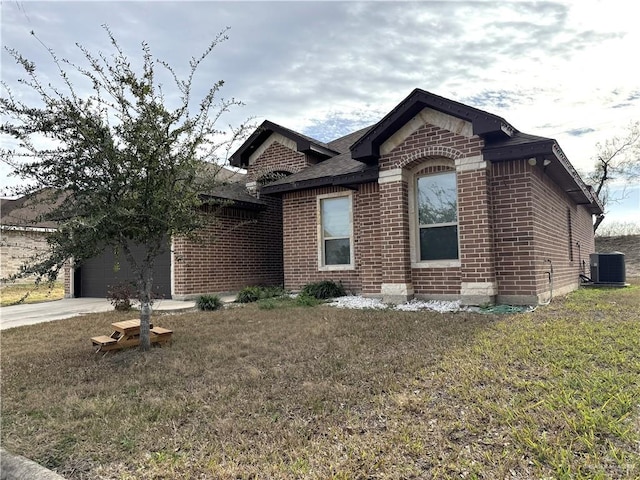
(336, 231)
(437, 211)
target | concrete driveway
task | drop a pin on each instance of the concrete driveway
(19, 315)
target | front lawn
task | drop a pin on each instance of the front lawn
(319, 392)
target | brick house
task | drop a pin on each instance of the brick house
(242, 247)
(438, 200)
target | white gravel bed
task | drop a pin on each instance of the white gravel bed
(357, 302)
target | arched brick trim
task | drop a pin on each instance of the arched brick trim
(417, 165)
(430, 151)
(262, 171)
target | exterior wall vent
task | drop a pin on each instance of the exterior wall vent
(608, 268)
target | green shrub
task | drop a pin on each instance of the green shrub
(208, 302)
(324, 289)
(306, 300)
(273, 292)
(253, 294)
(248, 295)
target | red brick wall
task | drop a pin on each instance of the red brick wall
(475, 227)
(277, 157)
(430, 136)
(531, 224)
(513, 221)
(299, 237)
(394, 233)
(436, 281)
(368, 245)
(554, 237)
(241, 248)
(301, 242)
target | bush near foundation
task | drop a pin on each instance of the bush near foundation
(209, 302)
(255, 293)
(324, 289)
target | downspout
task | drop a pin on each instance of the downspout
(550, 275)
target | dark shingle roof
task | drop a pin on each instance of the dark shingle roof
(338, 170)
(27, 211)
(306, 137)
(236, 193)
(484, 124)
(343, 144)
(339, 165)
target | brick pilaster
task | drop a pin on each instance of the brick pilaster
(477, 255)
(395, 241)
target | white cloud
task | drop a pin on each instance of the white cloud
(563, 69)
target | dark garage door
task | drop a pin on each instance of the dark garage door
(95, 277)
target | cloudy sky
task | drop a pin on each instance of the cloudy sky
(561, 69)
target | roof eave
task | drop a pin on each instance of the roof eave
(364, 176)
(240, 158)
(559, 168)
(515, 152)
(256, 205)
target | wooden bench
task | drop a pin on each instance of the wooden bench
(161, 335)
(127, 334)
(104, 343)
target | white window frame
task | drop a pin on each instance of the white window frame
(321, 238)
(414, 226)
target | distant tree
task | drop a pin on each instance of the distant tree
(120, 167)
(617, 159)
(619, 229)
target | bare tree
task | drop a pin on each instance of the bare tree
(617, 159)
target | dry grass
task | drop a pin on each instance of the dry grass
(294, 392)
(14, 293)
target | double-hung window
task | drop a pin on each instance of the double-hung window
(437, 207)
(336, 232)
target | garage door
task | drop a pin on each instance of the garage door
(95, 277)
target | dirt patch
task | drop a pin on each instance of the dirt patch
(629, 245)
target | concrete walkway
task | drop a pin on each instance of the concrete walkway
(19, 315)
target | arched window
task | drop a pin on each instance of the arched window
(437, 212)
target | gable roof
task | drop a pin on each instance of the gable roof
(338, 170)
(304, 144)
(484, 124)
(502, 142)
